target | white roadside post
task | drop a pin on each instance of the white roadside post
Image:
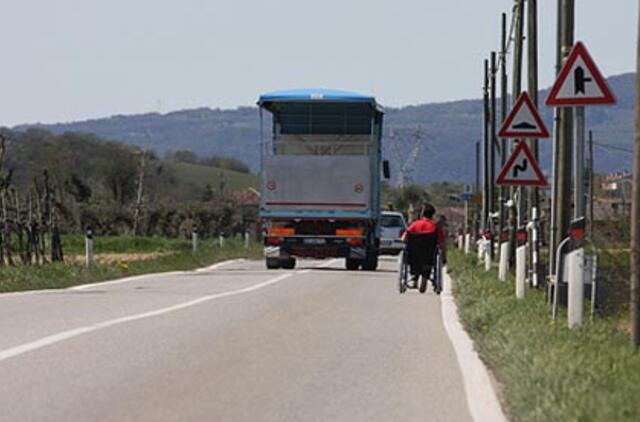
(194, 238)
(221, 240)
(246, 239)
(575, 310)
(467, 243)
(88, 240)
(521, 264)
(460, 241)
(504, 261)
(533, 225)
(487, 253)
(481, 246)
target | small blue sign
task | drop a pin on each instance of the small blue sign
(466, 196)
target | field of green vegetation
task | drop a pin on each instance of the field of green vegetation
(121, 256)
(549, 373)
(199, 176)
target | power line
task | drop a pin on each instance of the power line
(613, 147)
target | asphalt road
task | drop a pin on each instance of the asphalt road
(238, 343)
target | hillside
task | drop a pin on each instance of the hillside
(196, 177)
(449, 129)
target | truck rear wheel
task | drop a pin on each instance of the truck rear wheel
(352, 264)
(272, 263)
(288, 264)
(370, 261)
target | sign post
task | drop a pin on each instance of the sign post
(579, 84)
(523, 122)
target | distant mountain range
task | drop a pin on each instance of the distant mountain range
(448, 132)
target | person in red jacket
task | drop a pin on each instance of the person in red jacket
(427, 225)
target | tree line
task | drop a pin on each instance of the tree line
(51, 185)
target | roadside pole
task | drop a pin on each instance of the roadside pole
(635, 219)
(563, 171)
(557, 119)
(578, 165)
(485, 162)
(89, 247)
(532, 85)
(578, 84)
(591, 187)
(517, 89)
(504, 190)
(494, 141)
(503, 115)
(476, 190)
(194, 238)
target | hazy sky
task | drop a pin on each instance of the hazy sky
(75, 59)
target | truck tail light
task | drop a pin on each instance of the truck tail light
(349, 232)
(281, 231)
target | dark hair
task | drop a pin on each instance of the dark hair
(428, 211)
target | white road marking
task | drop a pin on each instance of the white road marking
(143, 276)
(482, 400)
(66, 335)
(120, 280)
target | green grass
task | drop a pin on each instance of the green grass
(549, 373)
(199, 175)
(60, 275)
(75, 244)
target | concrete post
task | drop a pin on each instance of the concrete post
(467, 243)
(521, 271)
(504, 261)
(194, 238)
(88, 241)
(575, 310)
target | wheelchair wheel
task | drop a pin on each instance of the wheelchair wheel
(438, 273)
(402, 272)
(423, 284)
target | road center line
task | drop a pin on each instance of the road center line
(66, 335)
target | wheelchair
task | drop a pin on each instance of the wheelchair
(420, 258)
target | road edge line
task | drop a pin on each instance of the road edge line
(482, 399)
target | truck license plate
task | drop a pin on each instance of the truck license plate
(314, 241)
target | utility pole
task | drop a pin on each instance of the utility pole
(532, 87)
(553, 241)
(517, 89)
(565, 129)
(591, 181)
(635, 219)
(486, 191)
(494, 140)
(503, 116)
(476, 191)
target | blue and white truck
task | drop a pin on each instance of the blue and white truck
(320, 176)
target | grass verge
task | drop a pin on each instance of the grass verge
(549, 373)
(179, 257)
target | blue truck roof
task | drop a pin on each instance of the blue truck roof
(316, 94)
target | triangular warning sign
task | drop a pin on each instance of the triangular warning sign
(580, 83)
(521, 169)
(524, 121)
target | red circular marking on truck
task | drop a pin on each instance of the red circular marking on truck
(271, 185)
(359, 188)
